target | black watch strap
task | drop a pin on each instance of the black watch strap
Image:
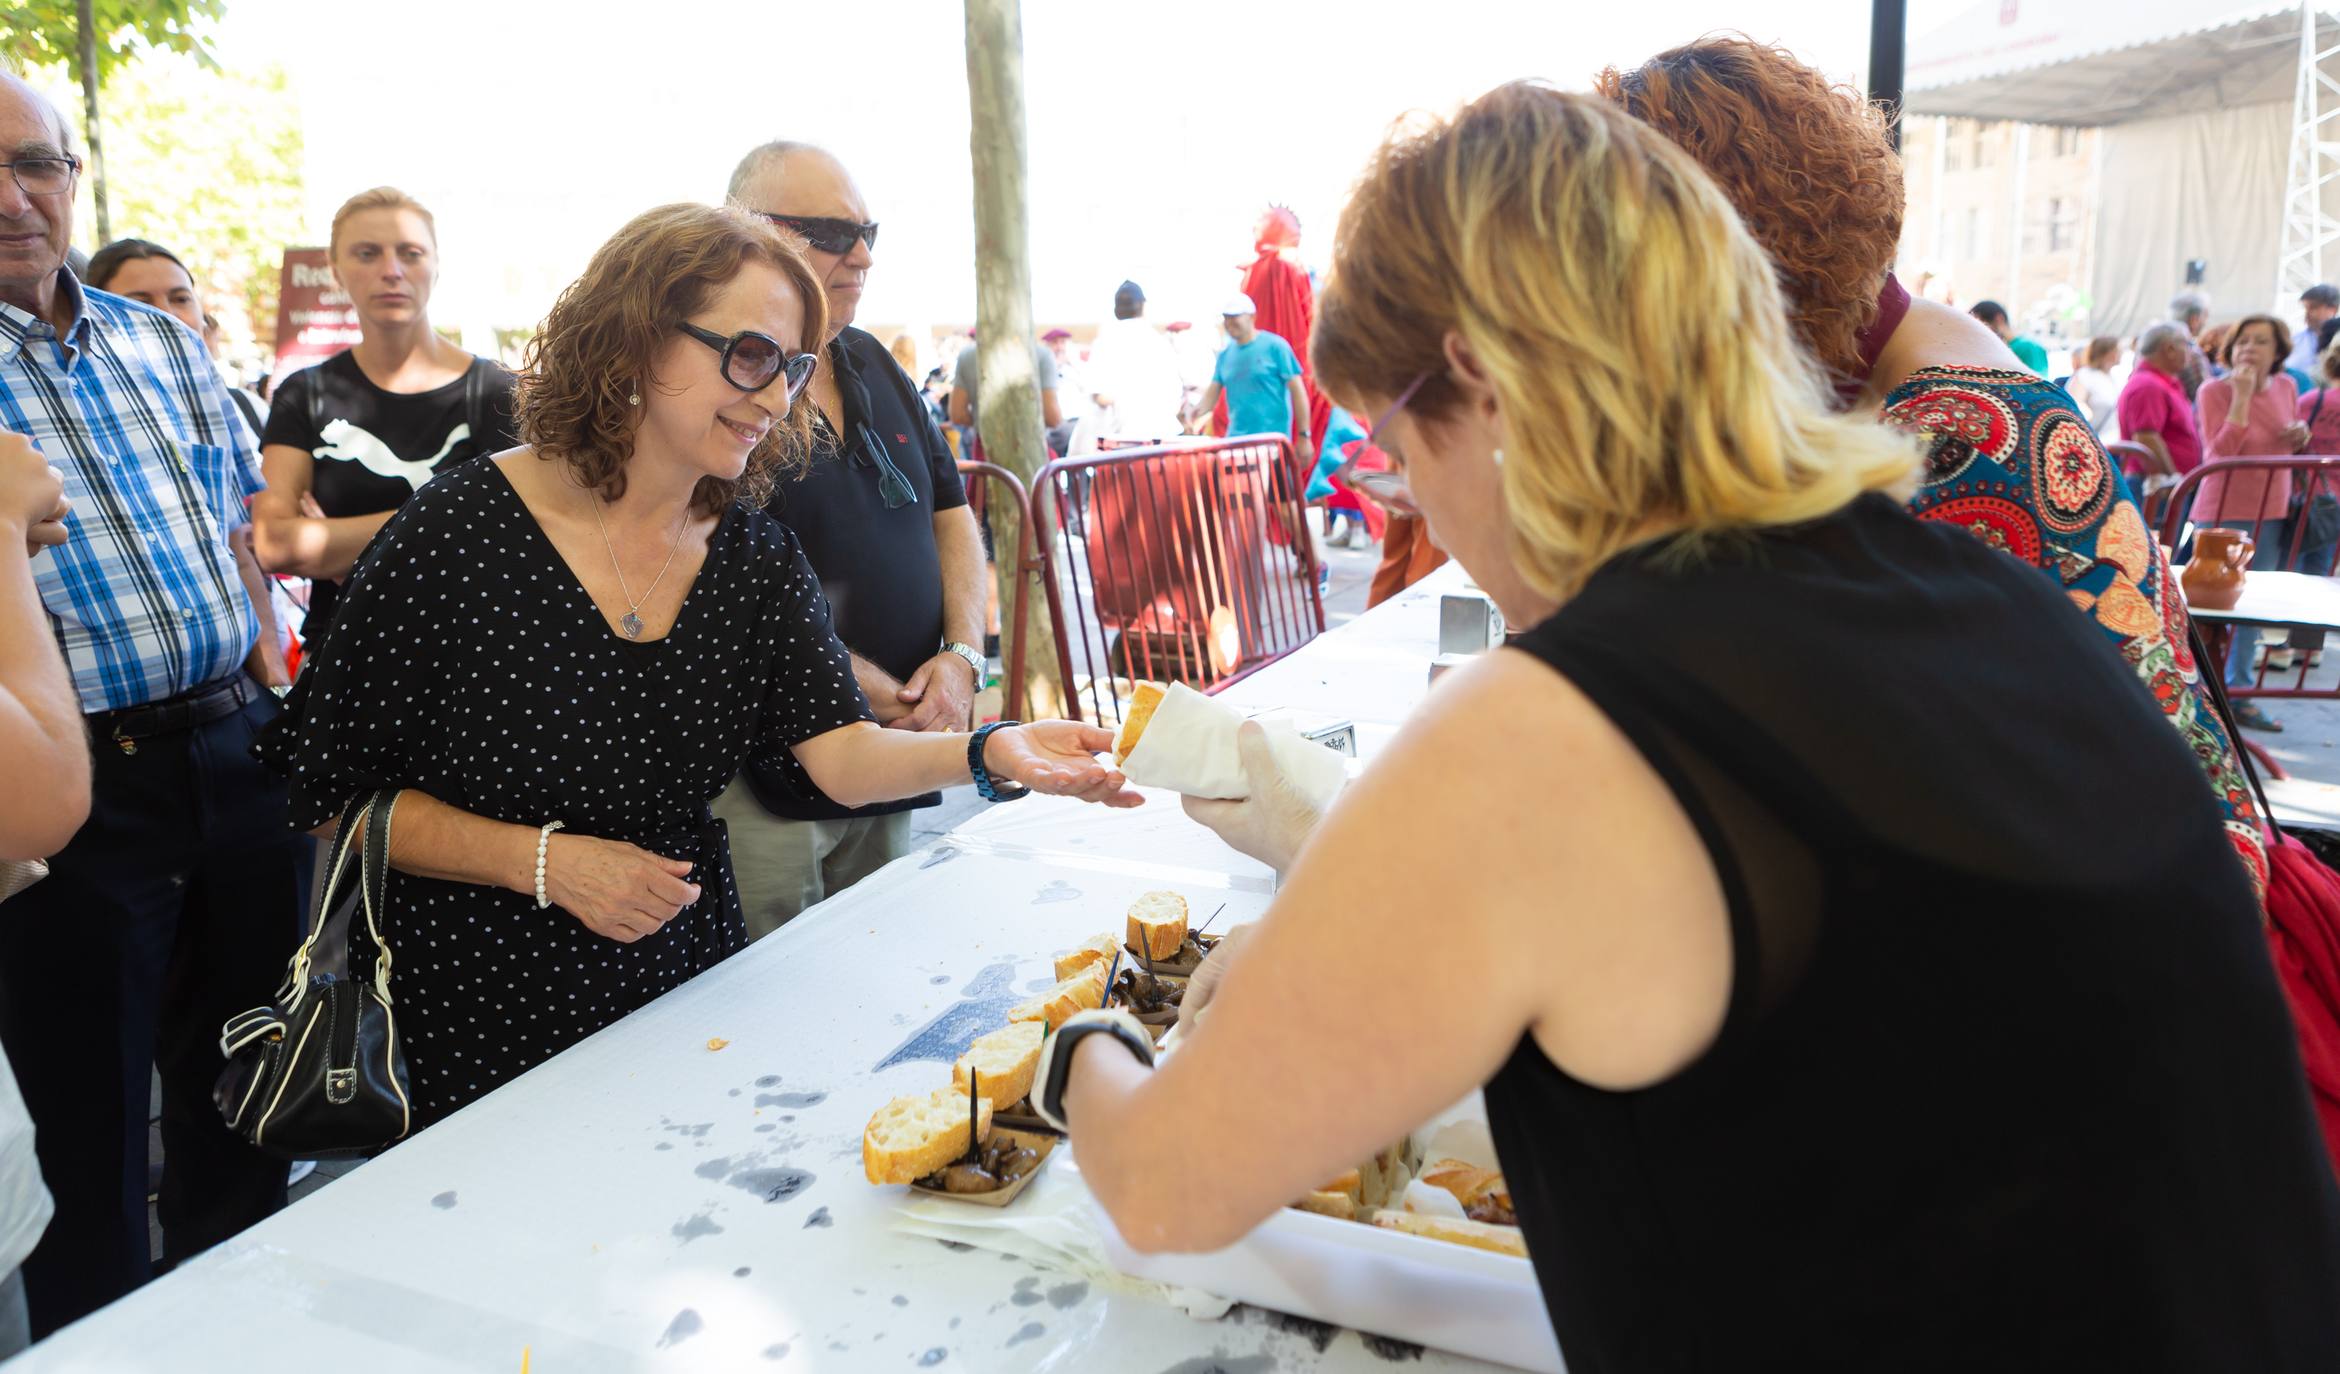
(985, 786)
(1048, 1095)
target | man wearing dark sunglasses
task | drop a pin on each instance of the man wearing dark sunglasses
(883, 520)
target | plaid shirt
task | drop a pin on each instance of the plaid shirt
(144, 594)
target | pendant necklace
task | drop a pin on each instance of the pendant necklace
(632, 623)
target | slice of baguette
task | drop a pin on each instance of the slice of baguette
(1157, 925)
(1469, 1183)
(1143, 702)
(911, 1137)
(1329, 1203)
(1351, 1184)
(1503, 1240)
(1083, 991)
(1005, 1061)
(1096, 951)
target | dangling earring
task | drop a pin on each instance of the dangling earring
(636, 398)
(1499, 457)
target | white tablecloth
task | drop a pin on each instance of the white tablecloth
(644, 1202)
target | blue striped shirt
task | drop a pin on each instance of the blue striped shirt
(144, 594)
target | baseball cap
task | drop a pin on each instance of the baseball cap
(2323, 293)
(1239, 304)
(1054, 334)
(1129, 290)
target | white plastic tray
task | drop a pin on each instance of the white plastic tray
(1430, 1292)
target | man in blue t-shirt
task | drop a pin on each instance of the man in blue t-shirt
(1260, 378)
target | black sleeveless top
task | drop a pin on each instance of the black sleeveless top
(2006, 1081)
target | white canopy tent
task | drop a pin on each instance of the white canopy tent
(2209, 133)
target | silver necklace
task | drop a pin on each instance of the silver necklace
(632, 624)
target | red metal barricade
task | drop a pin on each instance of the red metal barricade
(981, 478)
(2312, 477)
(2136, 464)
(2306, 538)
(1187, 563)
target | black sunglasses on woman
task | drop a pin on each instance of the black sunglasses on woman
(751, 360)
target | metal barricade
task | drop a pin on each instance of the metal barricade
(2301, 534)
(981, 479)
(1175, 563)
(2306, 535)
(2136, 464)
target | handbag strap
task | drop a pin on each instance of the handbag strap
(374, 885)
(329, 885)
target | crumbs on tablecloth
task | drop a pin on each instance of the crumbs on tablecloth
(716, 1042)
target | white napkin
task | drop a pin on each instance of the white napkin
(1052, 1222)
(1431, 1200)
(1189, 747)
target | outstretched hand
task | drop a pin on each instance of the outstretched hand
(1059, 757)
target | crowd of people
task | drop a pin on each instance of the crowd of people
(2191, 389)
(1878, 900)
(574, 618)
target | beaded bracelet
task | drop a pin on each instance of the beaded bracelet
(543, 839)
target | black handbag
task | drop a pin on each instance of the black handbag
(319, 1072)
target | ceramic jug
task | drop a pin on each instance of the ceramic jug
(2214, 580)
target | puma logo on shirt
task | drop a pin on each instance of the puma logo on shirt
(345, 442)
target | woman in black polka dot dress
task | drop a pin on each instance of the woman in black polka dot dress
(596, 630)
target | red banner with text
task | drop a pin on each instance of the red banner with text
(314, 320)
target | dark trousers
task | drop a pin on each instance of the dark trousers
(175, 907)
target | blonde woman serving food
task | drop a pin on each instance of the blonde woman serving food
(1814, 1035)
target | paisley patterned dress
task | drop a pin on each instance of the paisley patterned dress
(2011, 460)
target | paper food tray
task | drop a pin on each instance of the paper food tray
(1448, 1297)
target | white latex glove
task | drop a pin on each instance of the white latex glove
(1204, 985)
(1274, 821)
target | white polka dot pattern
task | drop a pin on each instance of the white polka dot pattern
(466, 660)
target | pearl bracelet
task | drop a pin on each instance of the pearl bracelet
(543, 839)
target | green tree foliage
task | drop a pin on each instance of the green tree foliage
(45, 33)
(208, 164)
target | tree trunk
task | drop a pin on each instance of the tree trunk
(1007, 403)
(87, 37)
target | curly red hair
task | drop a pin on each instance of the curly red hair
(1809, 165)
(605, 332)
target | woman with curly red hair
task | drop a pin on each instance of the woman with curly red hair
(560, 655)
(1811, 168)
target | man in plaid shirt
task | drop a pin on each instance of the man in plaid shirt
(176, 905)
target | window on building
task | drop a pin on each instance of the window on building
(2059, 230)
(1977, 145)
(2067, 141)
(1975, 246)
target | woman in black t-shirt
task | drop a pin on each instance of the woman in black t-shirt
(1855, 967)
(351, 438)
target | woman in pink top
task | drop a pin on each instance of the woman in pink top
(2251, 412)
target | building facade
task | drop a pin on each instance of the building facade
(2002, 211)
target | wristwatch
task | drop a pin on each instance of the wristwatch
(969, 652)
(1056, 1057)
(985, 786)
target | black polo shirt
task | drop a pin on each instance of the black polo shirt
(879, 567)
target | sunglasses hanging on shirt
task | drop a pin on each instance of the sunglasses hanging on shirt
(892, 485)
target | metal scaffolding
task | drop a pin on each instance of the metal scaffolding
(2309, 226)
